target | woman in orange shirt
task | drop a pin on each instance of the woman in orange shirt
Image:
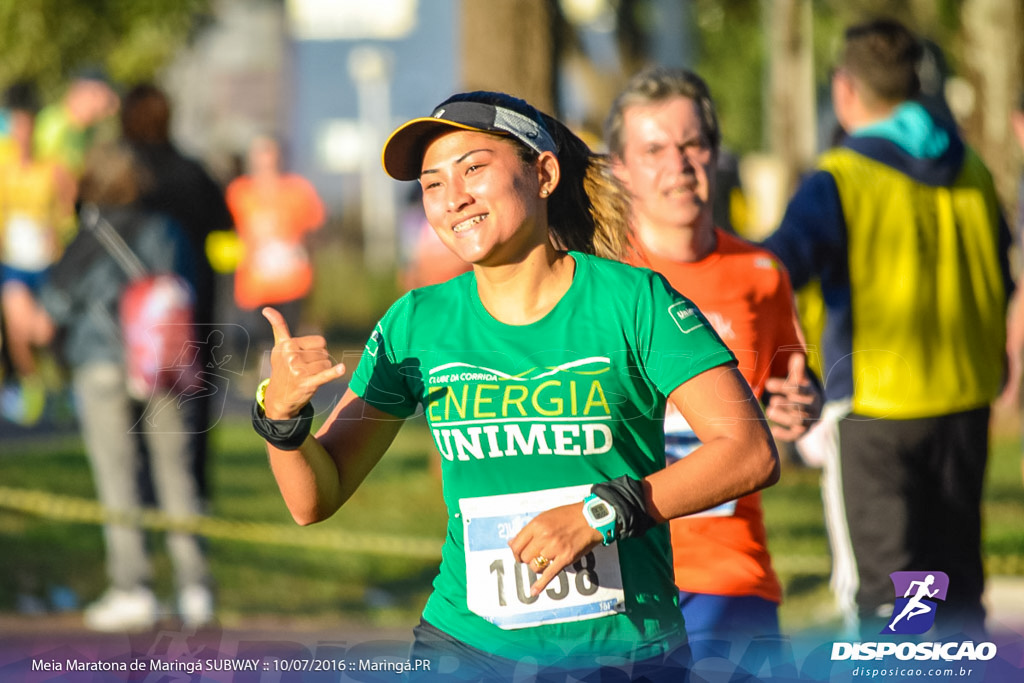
(273, 212)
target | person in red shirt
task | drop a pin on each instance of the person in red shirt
(273, 213)
(663, 137)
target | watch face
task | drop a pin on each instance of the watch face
(599, 511)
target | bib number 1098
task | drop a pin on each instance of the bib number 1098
(498, 587)
(585, 581)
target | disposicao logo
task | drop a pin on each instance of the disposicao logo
(916, 596)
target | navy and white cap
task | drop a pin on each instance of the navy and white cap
(485, 112)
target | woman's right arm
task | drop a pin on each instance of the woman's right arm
(325, 471)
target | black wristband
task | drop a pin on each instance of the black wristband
(287, 435)
(626, 495)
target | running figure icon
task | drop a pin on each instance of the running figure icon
(915, 606)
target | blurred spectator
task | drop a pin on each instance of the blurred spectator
(6, 144)
(36, 210)
(181, 188)
(66, 129)
(81, 297)
(901, 226)
(273, 211)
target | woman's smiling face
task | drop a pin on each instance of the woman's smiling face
(482, 199)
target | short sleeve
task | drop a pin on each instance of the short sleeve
(379, 379)
(677, 343)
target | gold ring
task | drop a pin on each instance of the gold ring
(541, 562)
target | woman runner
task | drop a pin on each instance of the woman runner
(544, 375)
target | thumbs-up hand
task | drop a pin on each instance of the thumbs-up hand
(794, 401)
(298, 367)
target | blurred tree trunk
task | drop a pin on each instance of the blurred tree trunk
(993, 55)
(633, 38)
(509, 45)
(792, 131)
(790, 119)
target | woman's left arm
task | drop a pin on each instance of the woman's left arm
(737, 456)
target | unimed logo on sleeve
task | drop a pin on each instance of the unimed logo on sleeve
(685, 315)
(917, 594)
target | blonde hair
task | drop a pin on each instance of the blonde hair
(609, 207)
(589, 210)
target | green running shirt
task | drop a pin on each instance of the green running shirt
(526, 418)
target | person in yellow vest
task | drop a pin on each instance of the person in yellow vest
(36, 215)
(901, 227)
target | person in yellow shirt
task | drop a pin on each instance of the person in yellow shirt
(36, 216)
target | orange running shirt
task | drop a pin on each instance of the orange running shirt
(746, 296)
(272, 225)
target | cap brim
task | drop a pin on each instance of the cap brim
(402, 156)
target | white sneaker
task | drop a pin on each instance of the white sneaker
(195, 605)
(123, 610)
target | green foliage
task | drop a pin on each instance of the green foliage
(348, 299)
(733, 51)
(49, 40)
(732, 61)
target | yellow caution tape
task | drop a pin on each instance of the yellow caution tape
(72, 509)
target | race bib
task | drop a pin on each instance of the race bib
(279, 259)
(498, 587)
(27, 244)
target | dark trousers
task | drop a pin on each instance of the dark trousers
(912, 491)
(443, 658)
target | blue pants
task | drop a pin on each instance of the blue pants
(724, 626)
